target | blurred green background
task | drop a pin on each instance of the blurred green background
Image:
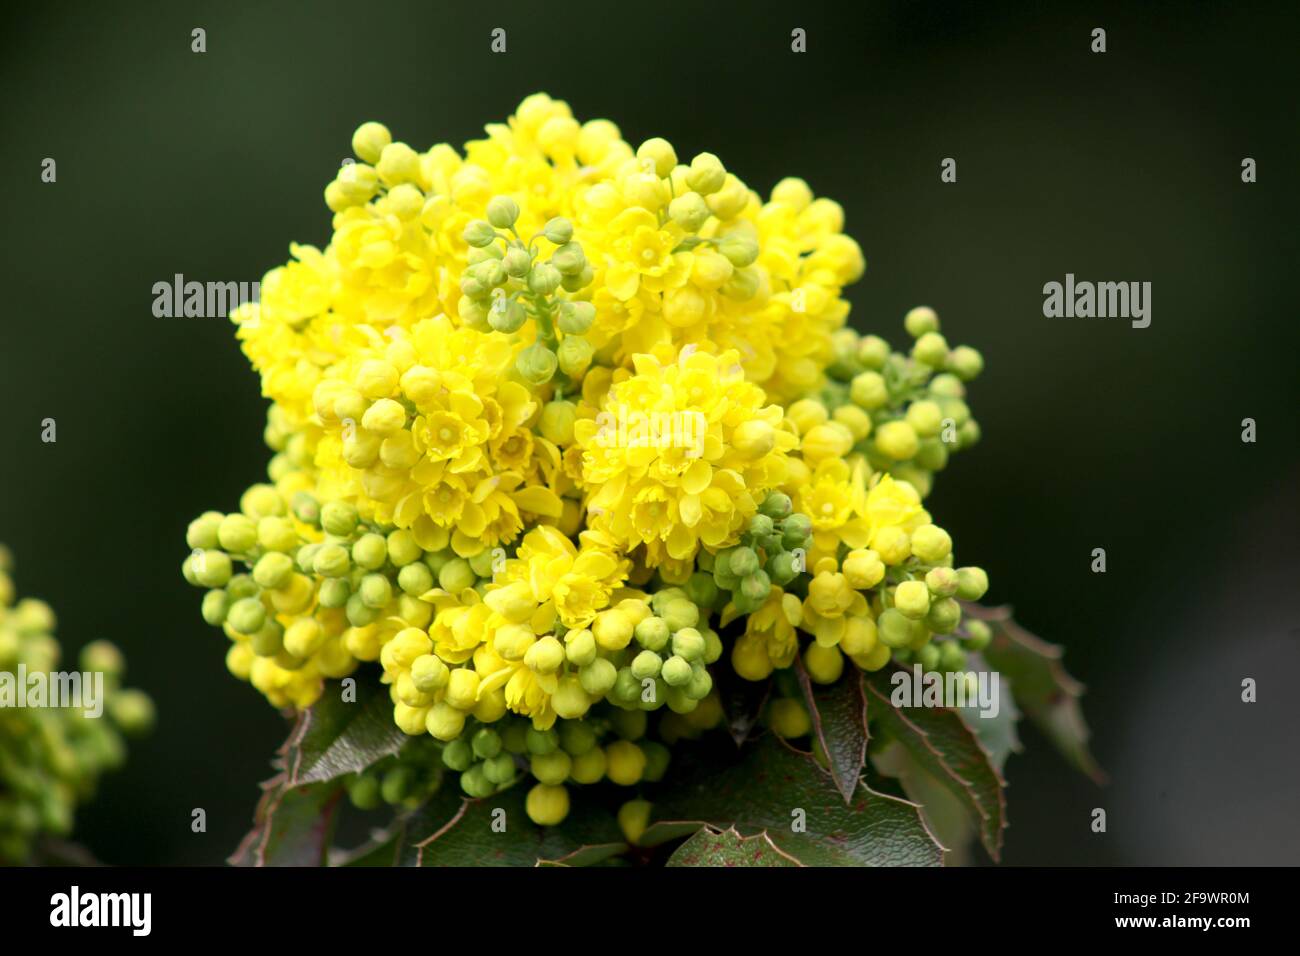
(1122, 166)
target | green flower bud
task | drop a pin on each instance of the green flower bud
(928, 657)
(776, 505)
(944, 616)
(415, 579)
(689, 211)
(332, 561)
(574, 356)
(707, 174)
(742, 285)
(575, 318)
(363, 792)
(537, 364)
(978, 635)
(657, 156)
(740, 251)
(456, 575)
(481, 563)
(933, 454)
(237, 533)
(214, 608)
(931, 349)
(502, 211)
(458, 755)
(783, 568)
(700, 590)
(473, 312)
(912, 598)
(756, 587)
(700, 684)
(965, 362)
(247, 615)
(677, 671)
(868, 390)
(893, 628)
(873, 352)
(543, 279)
(968, 434)
(376, 591)
(742, 561)
(338, 518)
(429, 673)
(627, 689)
(558, 230)
(272, 569)
(576, 737)
(795, 531)
(712, 646)
(580, 648)
(680, 613)
(360, 613)
(211, 569)
(541, 742)
(688, 643)
(945, 385)
(202, 532)
(925, 417)
(646, 664)
(486, 743)
(475, 783)
(942, 582)
(500, 770)
(575, 283)
(507, 315)
(972, 582)
(652, 633)
(334, 592)
(569, 259)
(242, 586)
(598, 677)
(132, 711)
(517, 262)
(921, 320)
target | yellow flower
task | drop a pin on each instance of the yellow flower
(660, 464)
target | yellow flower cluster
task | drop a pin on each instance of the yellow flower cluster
(680, 455)
(560, 425)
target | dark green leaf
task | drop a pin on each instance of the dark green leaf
(742, 702)
(997, 732)
(774, 788)
(839, 718)
(939, 740)
(454, 831)
(334, 738)
(710, 847)
(292, 825)
(1048, 695)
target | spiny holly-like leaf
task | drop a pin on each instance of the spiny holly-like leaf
(292, 825)
(940, 742)
(453, 831)
(334, 738)
(997, 732)
(711, 847)
(771, 787)
(1048, 695)
(839, 719)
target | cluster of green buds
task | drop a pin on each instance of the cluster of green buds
(315, 582)
(507, 283)
(405, 779)
(918, 609)
(610, 743)
(772, 550)
(916, 415)
(51, 757)
(701, 191)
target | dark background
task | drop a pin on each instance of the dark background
(1122, 166)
